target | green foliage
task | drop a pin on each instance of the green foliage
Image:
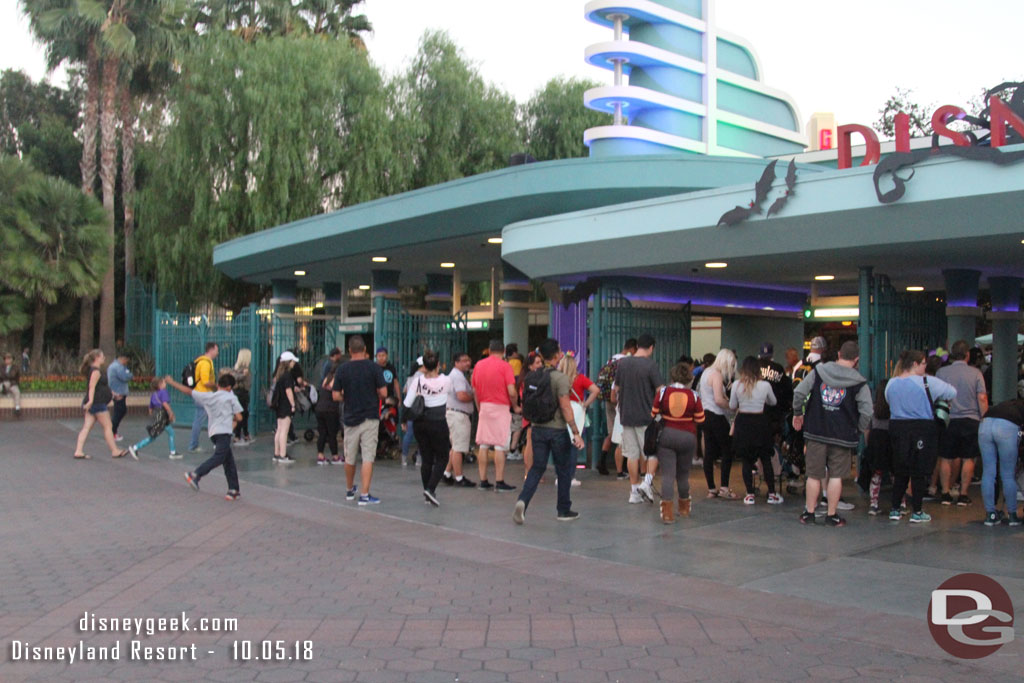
(262, 133)
(38, 123)
(902, 101)
(554, 120)
(274, 18)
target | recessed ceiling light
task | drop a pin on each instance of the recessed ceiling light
(300, 273)
(379, 259)
(364, 287)
(493, 240)
(824, 278)
(716, 264)
(447, 264)
(915, 288)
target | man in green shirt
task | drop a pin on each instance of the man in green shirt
(551, 437)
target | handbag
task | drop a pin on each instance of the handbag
(940, 408)
(652, 435)
(418, 407)
(157, 423)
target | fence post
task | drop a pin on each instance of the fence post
(255, 381)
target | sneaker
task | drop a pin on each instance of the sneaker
(570, 516)
(134, 452)
(485, 485)
(698, 462)
(963, 501)
(192, 480)
(895, 515)
(292, 442)
(368, 500)
(232, 495)
(749, 499)
(321, 461)
(873, 510)
(118, 437)
(1014, 519)
(635, 497)
(337, 460)
(448, 479)
(405, 462)
(519, 513)
(351, 493)
(646, 491)
(920, 518)
(930, 494)
(1020, 496)
(806, 517)
(575, 482)
(195, 449)
(844, 506)
(994, 518)
(946, 499)
(622, 475)
(501, 486)
(175, 455)
(834, 520)
(286, 460)
(514, 455)
(774, 499)
(466, 483)
(428, 496)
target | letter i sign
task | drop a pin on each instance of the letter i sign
(970, 616)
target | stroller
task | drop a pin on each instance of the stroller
(305, 399)
(388, 443)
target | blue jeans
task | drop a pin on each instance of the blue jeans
(222, 455)
(997, 439)
(148, 440)
(197, 426)
(407, 439)
(556, 443)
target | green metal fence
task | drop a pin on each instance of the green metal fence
(901, 321)
(141, 303)
(407, 335)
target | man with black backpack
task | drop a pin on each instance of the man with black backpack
(546, 405)
(605, 380)
(199, 376)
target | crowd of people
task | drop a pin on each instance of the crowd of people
(927, 430)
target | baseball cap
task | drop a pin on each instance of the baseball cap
(819, 343)
(381, 349)
(287, 356)
(767, 350)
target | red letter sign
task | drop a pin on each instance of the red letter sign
(872, 151)
(945, 113)
(902, 125)
(1002, 115)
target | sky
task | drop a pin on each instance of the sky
(829, 56)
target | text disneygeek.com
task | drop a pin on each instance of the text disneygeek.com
(136, 649)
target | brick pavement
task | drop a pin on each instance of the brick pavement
(389, 599)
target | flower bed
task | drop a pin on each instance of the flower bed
(70, 384)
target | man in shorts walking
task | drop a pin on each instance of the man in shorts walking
(830, 406)
(360, 385)
(494, 390)
(637, 380)
(459, 415)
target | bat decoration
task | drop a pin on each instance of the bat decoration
(568, 297)
(780, 203)
(738, 214)
(761, 189)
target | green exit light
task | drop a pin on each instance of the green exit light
(807, 313)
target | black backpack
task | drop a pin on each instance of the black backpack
(539, 402)
(188, 374)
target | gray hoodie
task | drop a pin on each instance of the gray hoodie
(835, 376)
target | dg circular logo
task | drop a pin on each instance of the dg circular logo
(970, 616)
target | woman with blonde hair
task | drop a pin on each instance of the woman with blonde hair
(582, 392)
(97, 399)
(283, 403)
(714, 383)
(243, 384)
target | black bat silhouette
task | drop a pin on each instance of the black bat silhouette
(736, 215)
(764, 185)
(791, 176)
(568, 297)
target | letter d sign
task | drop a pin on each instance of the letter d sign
(940, 606)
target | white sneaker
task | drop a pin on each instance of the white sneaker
(1020, 496)
(846, 507)
(118, 437)
(646, 492)
(774, 499)
(576, 482)
(635, 497)
(174, 455)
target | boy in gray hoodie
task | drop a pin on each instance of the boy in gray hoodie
(831, 405)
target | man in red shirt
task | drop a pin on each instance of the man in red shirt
(494, 390)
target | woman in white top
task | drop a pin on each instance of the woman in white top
(752, 438)
(431, 428)
(717, 443)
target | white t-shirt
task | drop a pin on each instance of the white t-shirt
(434, 390)
(460, 383)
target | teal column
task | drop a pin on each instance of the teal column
(282, 302)
(383, 286)
(865, 325)
(332, 299)
(962, 310)
(1005, 318)
(515, 293)
(439, 292)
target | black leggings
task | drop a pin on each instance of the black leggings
(327, 432)
(915, 445)
(435, 443)
(242, 428)
(716, 445)
(753, 441)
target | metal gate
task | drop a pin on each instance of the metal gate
(613, 320)
(407, 335)
(901, 321)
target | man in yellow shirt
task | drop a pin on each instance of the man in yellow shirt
(205, 381)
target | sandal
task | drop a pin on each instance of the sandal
(120, 455)
(83, 456)
(727, 493)
(712, 493)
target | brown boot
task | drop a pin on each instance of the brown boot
(667, 516)
(684, 507)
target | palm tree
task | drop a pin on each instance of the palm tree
(334, 18)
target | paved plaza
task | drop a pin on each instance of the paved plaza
(406, 592)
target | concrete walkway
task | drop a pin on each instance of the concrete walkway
(406, 592)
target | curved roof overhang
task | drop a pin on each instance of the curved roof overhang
(451, 221)
(956, 213)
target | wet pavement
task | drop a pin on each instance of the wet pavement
(404, 591)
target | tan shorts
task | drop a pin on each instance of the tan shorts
(609, 416)
(821, 455)
(459, 426)
(633, 442)
(361, 440)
